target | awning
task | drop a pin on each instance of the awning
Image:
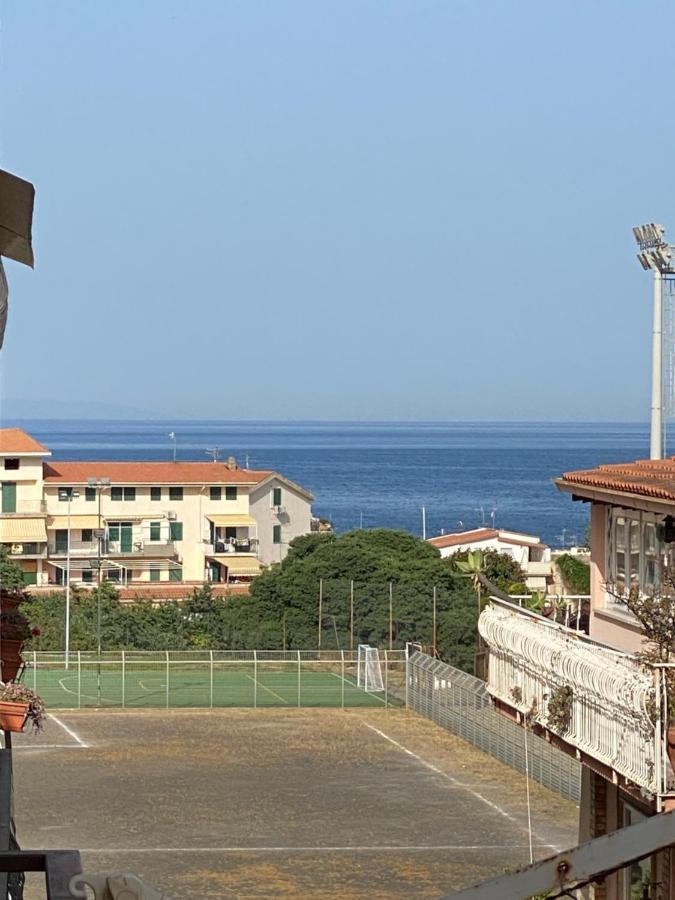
(19, 530)
(237, 564)
(232, 520)
(75, 522)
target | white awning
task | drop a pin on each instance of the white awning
(75, 522)
(232, 520)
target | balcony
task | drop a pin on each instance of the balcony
(243, 545)
(77, 548)
(27, 550)
(593, 700)
(139, 548)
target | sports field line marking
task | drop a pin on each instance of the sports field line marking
(387, 848)
(68, 730)
(493, 806)
(269, 690)
(353, 684)
(45, 747)
(75, 693)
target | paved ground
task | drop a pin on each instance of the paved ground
(278, 802)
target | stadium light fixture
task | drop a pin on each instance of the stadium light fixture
(655, 254)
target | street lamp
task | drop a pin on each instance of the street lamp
(98, 484)
(655, 253)
(68, 494)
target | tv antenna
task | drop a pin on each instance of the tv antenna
(481, 510)
(214, 452)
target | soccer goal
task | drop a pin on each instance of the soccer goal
(369, 671)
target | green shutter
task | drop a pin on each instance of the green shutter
(155, 493)
(176, 531)
(90, 493)
(155, 531)
(154, 574)
(276, 534)
(276, 497)
(30, 577)
(9, 496)
(176, 574)
(61, 540)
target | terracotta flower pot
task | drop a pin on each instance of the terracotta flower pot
(13, 716)
(10, 656)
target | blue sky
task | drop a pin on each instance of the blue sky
(353, 210)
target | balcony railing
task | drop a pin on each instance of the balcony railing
(26, 548)
(606, 697)
(140, 548)
(77, 548)
(243, 545)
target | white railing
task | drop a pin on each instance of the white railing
(608, 708)
(76, 547)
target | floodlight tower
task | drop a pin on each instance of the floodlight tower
(655, 253)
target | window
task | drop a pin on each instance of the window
(276, 496)
(651, 553)
(231, 492)
(123, 493)
(216, 493)
(113, 575)
(176, 574)
(12, 462)
(87, 576)
(61, 540)
(89, 494)
(175, 493)
(155, 531)
(176, 532)
(276, 534)
(636, 551)
(87, 535)
(9, 497)
(154, 574)
(155, 493)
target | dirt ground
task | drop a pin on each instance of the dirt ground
(278, 802)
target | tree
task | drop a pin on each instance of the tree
(499, 568)
(11, 574)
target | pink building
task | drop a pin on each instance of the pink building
(590, 695)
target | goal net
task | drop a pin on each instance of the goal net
(369, 671)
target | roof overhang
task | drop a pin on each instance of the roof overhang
(587, 493)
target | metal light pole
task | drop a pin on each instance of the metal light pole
(68, 494)
(99, 484)
(655, 254)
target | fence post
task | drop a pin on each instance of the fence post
(407, 675)
(255, 679)
(342, 676)
(35, 671)
(386, 679)
(124, 678)
(167, 679)
(211, 679)
(299, 678)
(351, 615)
(79, 679)
(391, 614)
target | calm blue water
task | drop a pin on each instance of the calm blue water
(382, 474)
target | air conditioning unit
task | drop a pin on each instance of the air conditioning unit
(17, 548)
(278, 510)
(171, 515)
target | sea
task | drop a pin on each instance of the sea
(383, 474)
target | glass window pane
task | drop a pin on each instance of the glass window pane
(634, 539)
(231, 492)
(155, 493)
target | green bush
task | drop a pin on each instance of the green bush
(576, 574)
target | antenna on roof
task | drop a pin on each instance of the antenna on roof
(213, 452)
(172, 437)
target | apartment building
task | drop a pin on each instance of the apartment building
(138, 522)
(592, 695)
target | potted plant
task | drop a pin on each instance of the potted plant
(10, 598)
(14, 630)
(19, 705)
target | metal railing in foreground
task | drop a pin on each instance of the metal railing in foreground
(461, 703)
(211, 678)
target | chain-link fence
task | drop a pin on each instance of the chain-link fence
(211, 678)
(460, 702)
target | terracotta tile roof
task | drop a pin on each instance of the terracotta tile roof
(15, 440)
(150, 473)
(646, 477)
(464, 537)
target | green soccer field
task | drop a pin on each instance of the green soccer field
(153, 686)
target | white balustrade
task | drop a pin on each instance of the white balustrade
(612, 692)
